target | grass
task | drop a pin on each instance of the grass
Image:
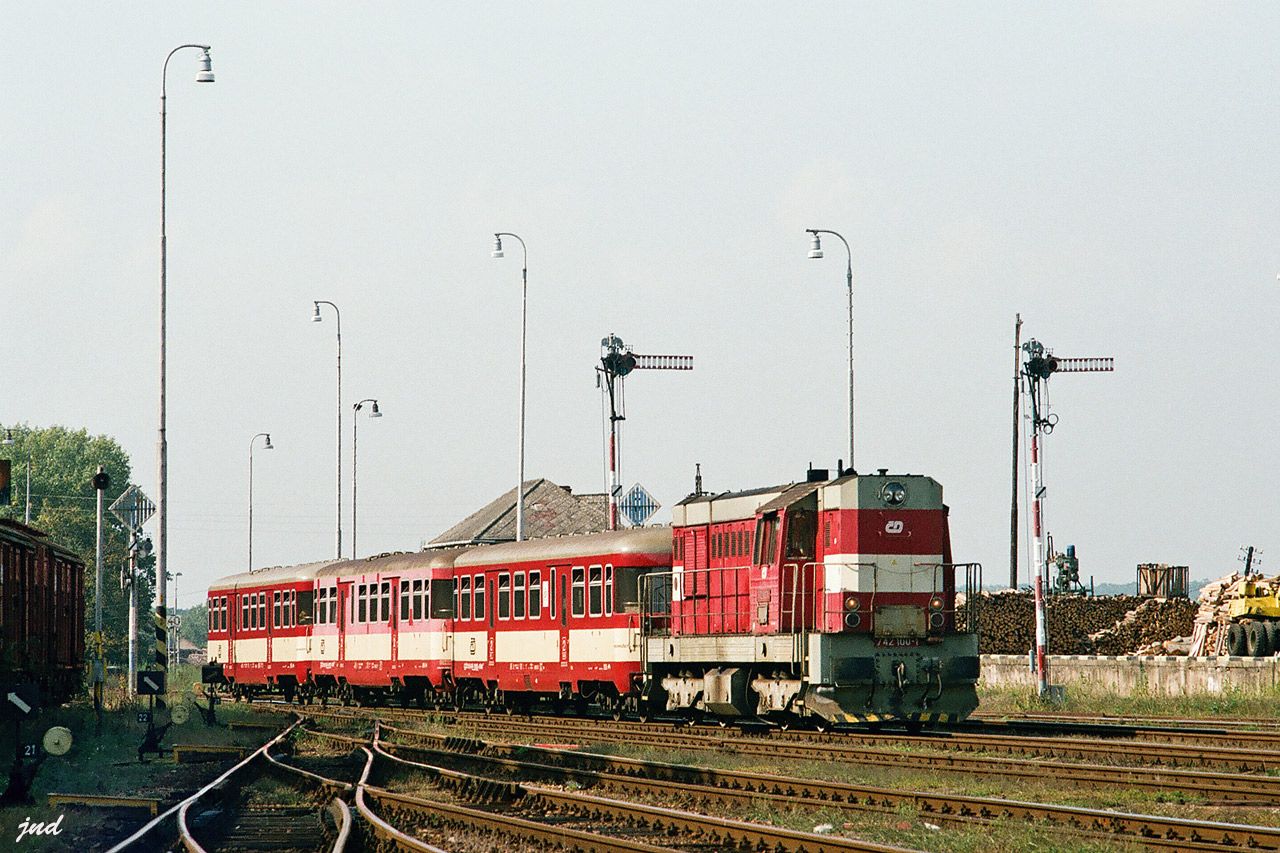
(1090, 699)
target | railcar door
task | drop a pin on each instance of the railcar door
(344, 602)
(563, 612)
(394, 625)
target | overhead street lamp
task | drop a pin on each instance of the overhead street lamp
(355, 439)
(316, 318)
(815, 251)
(204, 75)
(266, 446)
(524, 314)
(8, 441)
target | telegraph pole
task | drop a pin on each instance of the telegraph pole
(1013, 502)
(1040, 365)
(101, 481)
(616, 362)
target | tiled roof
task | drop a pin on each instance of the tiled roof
(549, 510)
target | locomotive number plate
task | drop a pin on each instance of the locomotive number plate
(896, 642)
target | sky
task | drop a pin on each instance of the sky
(1107, 170)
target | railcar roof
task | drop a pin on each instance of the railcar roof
(434, 558)
(635, 541)
(275, 574)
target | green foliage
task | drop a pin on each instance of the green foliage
(195, 625)
(63, 505)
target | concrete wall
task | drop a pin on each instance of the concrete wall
(1165, 676)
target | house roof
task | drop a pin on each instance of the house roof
(549, 510)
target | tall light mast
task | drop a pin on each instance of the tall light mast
(616, 362)
(1039, 366)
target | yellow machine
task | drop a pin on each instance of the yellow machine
(1255, 621)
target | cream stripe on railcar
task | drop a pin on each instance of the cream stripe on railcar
(602, 644)
(470, 646)
(891, 572)
(424, 645)
(217, 651)
(369, 646)
(284, 649)
(251, 651)
(528, 646)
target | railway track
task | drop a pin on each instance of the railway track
(214, 818)
(708, 787)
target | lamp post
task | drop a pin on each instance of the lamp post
(266, 446)
(205, 75)
(524, 314)
(316, 318)
(355, 439)
(815, 251)
(8, 442)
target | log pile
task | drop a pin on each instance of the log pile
(1079, 625)
(1147, 629)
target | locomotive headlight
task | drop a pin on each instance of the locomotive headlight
(851, 603)
(935, 603)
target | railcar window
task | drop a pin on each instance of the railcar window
(386, 602)
(465, 612)
(419, 588)
(517, 595)
(535, 595)
(262, 610)
(302, 608)
(442, 599)
(594, 594)
(275, 609)
(478, 587)
(504, 596)
(579, 603)
(405, 586)
(608, 590)
(551, 604)
(244, 612)
(362, 604)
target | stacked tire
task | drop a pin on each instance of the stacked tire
(1253, 638)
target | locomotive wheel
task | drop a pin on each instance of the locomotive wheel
(1256, 640)
(1235, 639)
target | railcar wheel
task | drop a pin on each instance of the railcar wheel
(1256, 640)
(821, 724)
(1235, 639)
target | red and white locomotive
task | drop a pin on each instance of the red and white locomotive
(831, 600)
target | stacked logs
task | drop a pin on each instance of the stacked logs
(1148, 629)
(1079, 625)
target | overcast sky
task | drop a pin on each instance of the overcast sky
(1108, 170)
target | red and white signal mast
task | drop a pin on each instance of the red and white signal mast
(1041, 363)
(616, 362)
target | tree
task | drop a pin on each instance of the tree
(195, 625)
(63, 504)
